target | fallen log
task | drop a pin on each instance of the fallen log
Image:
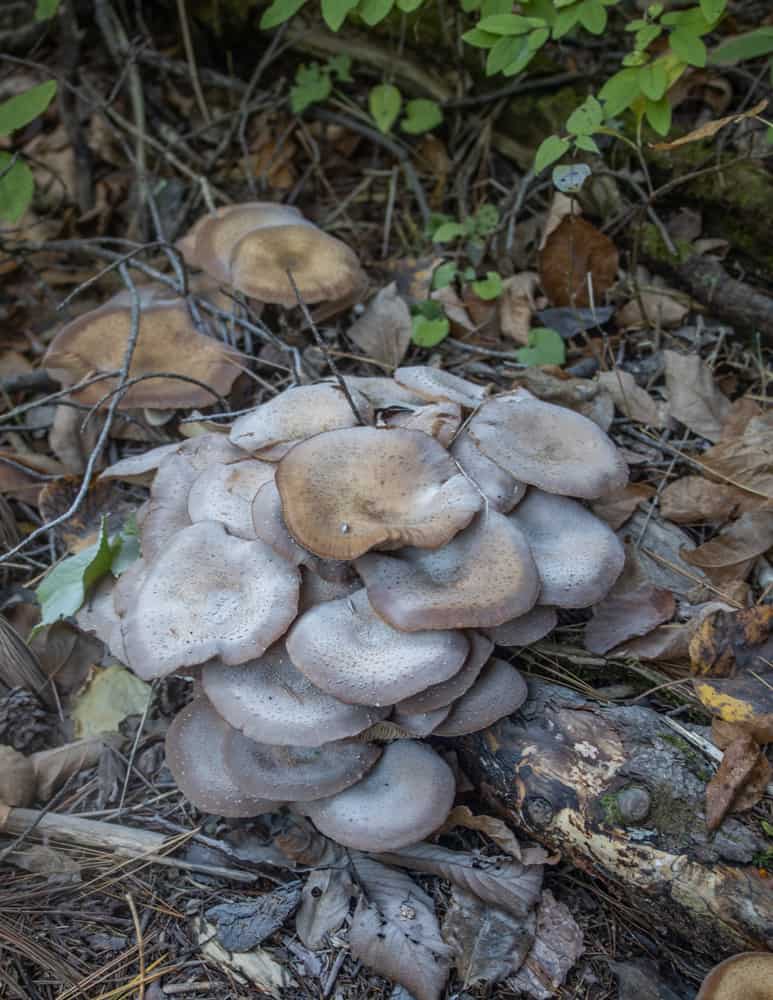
(617, 793)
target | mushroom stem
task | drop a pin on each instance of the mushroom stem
(323, 347)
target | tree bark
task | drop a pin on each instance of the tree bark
(621, 796)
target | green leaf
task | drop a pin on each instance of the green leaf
(506, 24)
(586, 143)
(653, 80)
(659, 115)
(46, 9)
(565, 20)
(312, 85)
(449, 231)
(385, 102)
(443, 275)
(748, 46)
(655, 10)
(537, 38)
(506, 51)
(17, 186)
(585, 119)
(550, 150)
(374, 11)
(486, 219)
(339, 66)
(489, 8)
(545, 347)
(593, 17)
(647, 35)
(520, 64)
(421, 115)
(279, 12)
(692, 19)
(334, 12)
(569, 178)
(636, 25)
(64, 589)
(19, 111)
(619, 92)
(688, 47)
(409, 6)
(489, 287)
(480, 39)
(634, 59)
(429, 332)
(712, 10)
(468, 6)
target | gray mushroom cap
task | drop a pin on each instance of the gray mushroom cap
(435, 384)
(419, 723)
(482, 577)
(523, 631)
(578, 556)
(403, 799)
(209, 594)
(440, 420)
(271, 701)
(344, 648)
(225, 493)
(442, 695)
(501, 489)
(548, 446)
(299, 774)
(499, 691)
(137, 468)
(195, 754)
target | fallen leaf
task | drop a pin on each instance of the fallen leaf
(557, 947)
(745, 700)
(516, 305)
(571, 321)
(630, 399)
(747, 461)
(22, 476)
(454, 309)
(616, 508)
(43, 860)
(661, 548)
(693, 396)
(324, 906)
(69, 442)
(727, 641)
(66, 655)
(575, 255)
(257, 966)
(693, 500)
(710, 128)
(243, 925)
(561, 206)
(413, 276)
(741, 412)
(488, 943)
(383, 332)
(663, 307)
(53, 768)
(395, 931)
(495, 829)
(730, 555)
(723, 733)
(744, 768)
(18, 786)
(111, 695)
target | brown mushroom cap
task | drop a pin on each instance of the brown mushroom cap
(344, 648)
(747, 976)
(195, 754)
(578, 556)
(523, 631)
(322, 267)
(297, 774)
(344, 492)
(442, 695)
(501, 489)
(440, 420)
(548, 446)
(271, 429)
(168, 341)
(499, 691)
(482, 577)
(403, 799)
(225, 493)
(209, 594)
(435, 384)
(268, 525)
(271, 701)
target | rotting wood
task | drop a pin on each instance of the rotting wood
(616, 792)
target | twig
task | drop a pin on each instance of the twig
(125, 385)
(140, 944)
(519, 86)
(190, 55)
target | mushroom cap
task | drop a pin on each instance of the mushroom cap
(209, 594)
(344, 648)
(440, 420)
(268, 525)
(402, 800)
(316, 589)
(482, 577)
(499, 691)
(548, 446)
(441, 695)
(127, 586)
(435, 384)
(297, 774)
(271, 429)
(578, 556)
(271, 701)
(344, 492)
(98, 616)
(322, 267)
(383, 392)
(419, 723)
(225, 493)
(168, 341)
(523, 631)
(136, 468)
(746, 976)
(501, 489)
(195, 754)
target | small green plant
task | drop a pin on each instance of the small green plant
(17, 185)
(475, 228)
(385, 103)
(314, 82)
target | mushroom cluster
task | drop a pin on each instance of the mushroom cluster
(347, 558)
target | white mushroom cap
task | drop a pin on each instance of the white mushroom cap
(523, 631)
(548, 446)
(209, 594)
(99, 617)
(440, 420)
(344, 492)
(501, 489)
(344, 648)
(297, 774)
(316, 589)
(442, 695)
(382, 392)
(403, 799)
(271, 701)
(268, 525)
(225, 493)
(499, 691)
(419, 723)
(435, 384)
(482, 577)
(271, 429)
(195, 754)
(578, 556)
(136, 468)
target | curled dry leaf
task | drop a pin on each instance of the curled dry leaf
(575, 258)
(557, 947)
(53, 768)
(694, 397)
(17, 778)
(324, 905)
(662, 546)
(727, 641)
(617, 507)
(110, 696)
(731, 554)
(710, 128)
(630, 399)
(496, 829)
(383, 332)
(693, 499)
(243, 925)
(663, 307)
(455, 310)
(740, 781)
(516, 305)
(745, 461)
(256, 966)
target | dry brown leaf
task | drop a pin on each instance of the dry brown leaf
(746, 461)
(455, 310)
(557, 947)
(710, 128)
(577, 255)
(728, 640)
(745, 700)
(693, 499)
(741, 412)
(560, 207)
(496, 829)
(22, 476)
(723, 733)
(413, 276)
(17, 778)
(383, 332)
(69, 442)
(731, 554)
(693, 396)
(324, 905)
(617, 507)
(52, 768)
(516, 305)
(630, 399)
(740, 781)
(661, 546)
(663, 307)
